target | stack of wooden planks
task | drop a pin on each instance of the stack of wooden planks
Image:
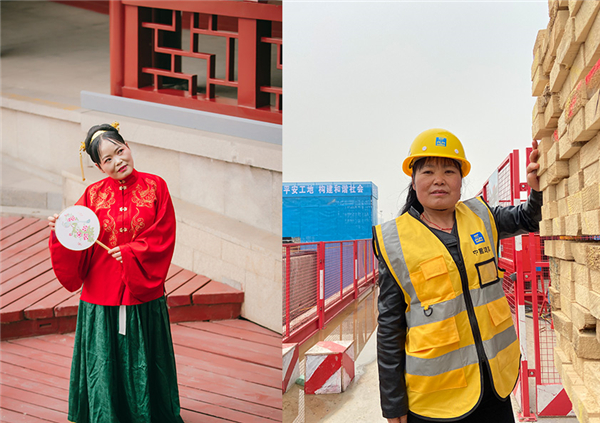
(566, 121)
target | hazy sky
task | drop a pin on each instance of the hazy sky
(363, 79)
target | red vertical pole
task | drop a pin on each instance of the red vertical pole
(287, 290)
(117, 40)
(366, 267)
(321, 285)
(355, 283)
(515, 192)
(253, 62)
(522, 332)
(341, 270)
(130, 47)
(536, 314)
(528, 151)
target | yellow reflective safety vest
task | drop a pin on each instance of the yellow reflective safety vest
(455, 319)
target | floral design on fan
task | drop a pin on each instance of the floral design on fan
(79, 229)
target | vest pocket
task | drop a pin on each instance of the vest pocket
(453, 379)
(499, 311)
(432, 335)
(508, 356)
(432, 283)
(488, 272)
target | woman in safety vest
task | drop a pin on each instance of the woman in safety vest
(446, 345)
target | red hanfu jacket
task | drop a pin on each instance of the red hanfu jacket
(135, 214)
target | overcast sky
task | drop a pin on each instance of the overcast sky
(363, 79)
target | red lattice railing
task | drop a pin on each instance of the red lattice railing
(157, 49)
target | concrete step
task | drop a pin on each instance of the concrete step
(27, 187)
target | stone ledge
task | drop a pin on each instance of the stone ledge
(183, 117)
(40, 106)
(24, 169)
(225, 227)
(191, 141)
(186, 140)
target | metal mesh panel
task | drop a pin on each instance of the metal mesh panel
(547, 339)
(300, 289)
(348, 263)
(361, 260)
(332, 269)
(549, 374)
(504, 186)
(507, 246)
(335, 262)
(507, 251)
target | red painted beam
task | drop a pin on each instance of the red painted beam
(271, 11)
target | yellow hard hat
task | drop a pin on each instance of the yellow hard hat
(436, 142)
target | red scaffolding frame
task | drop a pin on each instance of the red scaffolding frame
(526, 283)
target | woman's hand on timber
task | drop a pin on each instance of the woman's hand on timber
(52, 221)
(402, 419)
(533, 166)
(116, 253)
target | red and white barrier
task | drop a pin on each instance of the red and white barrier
(329, 367)
(552, 400)
(291, 369)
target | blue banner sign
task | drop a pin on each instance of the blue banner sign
(329, 188)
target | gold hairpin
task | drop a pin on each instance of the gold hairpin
(81, 148)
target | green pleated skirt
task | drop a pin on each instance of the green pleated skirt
(127, 378)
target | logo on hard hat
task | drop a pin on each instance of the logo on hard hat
(440, 142)
(477, 238)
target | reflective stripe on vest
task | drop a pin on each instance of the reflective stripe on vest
(442, 365)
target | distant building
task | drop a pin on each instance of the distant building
(328, 211)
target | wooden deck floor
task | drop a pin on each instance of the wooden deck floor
(227, 371)
(33, 302)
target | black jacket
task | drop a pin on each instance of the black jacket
(391, 332)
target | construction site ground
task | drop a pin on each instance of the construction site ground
(360, 402)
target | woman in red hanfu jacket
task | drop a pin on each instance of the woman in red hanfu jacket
(123, 367)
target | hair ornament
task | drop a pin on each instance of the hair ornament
(81, 148)
(96, 135)
(115, 125)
